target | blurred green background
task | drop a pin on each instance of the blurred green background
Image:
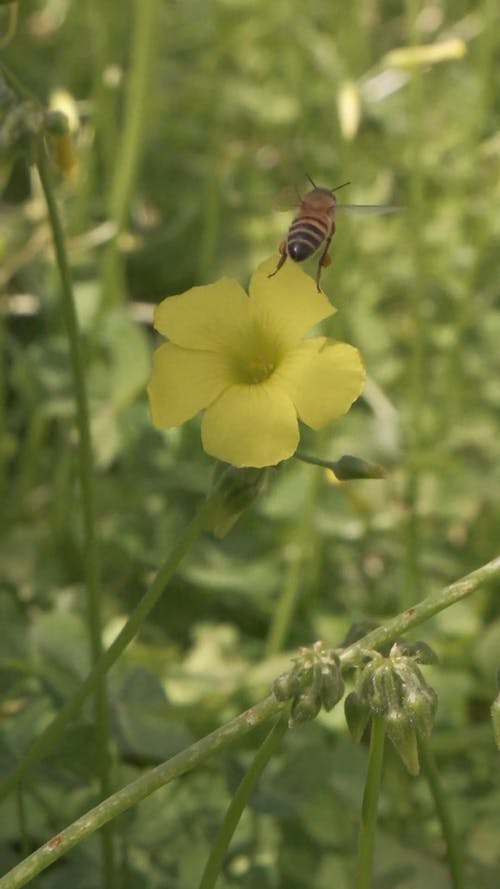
(192, 123)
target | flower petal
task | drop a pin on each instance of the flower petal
(251, 426)
(183, 382)
(288, 301)
(323, 382)
(207, 317)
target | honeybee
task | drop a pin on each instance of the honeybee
(314, 225)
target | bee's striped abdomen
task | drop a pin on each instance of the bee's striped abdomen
(305, 236)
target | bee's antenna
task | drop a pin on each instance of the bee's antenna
(341, 186)
(310, 180)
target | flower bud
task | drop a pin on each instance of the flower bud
(365, 683)
(286, 686)
(401, 732)
(419, 699)
(349, 468)
(387, 689)
(357, 714)
(236, 490)
(419, 651)
(56, 122)
(332, 687)
(61, 142)
(306, 706)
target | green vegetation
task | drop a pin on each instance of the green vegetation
(185, 125)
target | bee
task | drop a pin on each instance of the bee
(314, 226)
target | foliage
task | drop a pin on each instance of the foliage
(174, 187)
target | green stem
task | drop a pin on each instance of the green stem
(110, 655)
(416, 222)
(443, 813)
(187, 759)
(235, 809)
(314, 461)
(87, 488)
(132, 142)
(22, 821)
(370, 805)
(138, 790)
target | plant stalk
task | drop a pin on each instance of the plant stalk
(370, 805)
(87, 487)
(235, 809)
(138, 790)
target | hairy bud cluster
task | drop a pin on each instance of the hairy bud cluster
(315, 681)
(394, 688)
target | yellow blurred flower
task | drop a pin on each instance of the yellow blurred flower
(426, 54)
(244, 361)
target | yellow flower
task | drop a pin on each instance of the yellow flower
(243, 360)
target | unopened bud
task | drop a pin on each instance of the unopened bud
(387, 692)
(419, 651)
(357, 714)
(349, 468)
(401, 732)
(332, 687)
(286, 686)
(237, 489)
(306, 706)
(419, 699)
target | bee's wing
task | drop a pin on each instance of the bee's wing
(379, 209)
(287, 198)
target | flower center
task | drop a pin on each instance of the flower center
(256, 358)
(260, 369)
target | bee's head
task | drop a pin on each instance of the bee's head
(323, 196)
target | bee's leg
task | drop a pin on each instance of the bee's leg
(281, 260)
(324, 261)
